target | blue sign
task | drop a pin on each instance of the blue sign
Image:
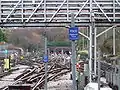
(45, 59)
(73, 33)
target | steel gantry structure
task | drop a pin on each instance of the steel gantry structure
(57, 13)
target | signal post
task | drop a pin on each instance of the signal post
(73, 35)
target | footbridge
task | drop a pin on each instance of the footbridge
(36, 13)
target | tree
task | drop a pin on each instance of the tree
(3, 37)
(107, 46)
(80, 44)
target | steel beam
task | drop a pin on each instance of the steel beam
(102, 11)
(12, 10)
(22, 11)
(84, 35)
(73, 56)
(81, 8)
(0, 11)
(114, 28)
(34, 11)
(90, 48)
(55, 24)
(105, 31)
(117, 2)
(57, 11)
(67, 10)
(95, 51)
(15, 11)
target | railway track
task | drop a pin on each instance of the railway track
(35, 74)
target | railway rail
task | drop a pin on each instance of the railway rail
(35, 74)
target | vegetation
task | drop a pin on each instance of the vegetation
(3, 36)
(80, 44)
(59, 43)
(83, 54)
(32, 39)
(107, 46)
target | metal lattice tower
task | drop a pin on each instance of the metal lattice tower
(58, 12)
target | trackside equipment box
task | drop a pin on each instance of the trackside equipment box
(19, 87)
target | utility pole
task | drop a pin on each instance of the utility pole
(90, 47)
(119, 75)
(46, 54)
(99, 66)
(45, 60)
(73, 56)
(46, 64)
(114, 51)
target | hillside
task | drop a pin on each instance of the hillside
(32, 38)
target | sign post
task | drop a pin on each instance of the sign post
(6, 64)
(73, 35)
(6, 61)
(46, 63)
